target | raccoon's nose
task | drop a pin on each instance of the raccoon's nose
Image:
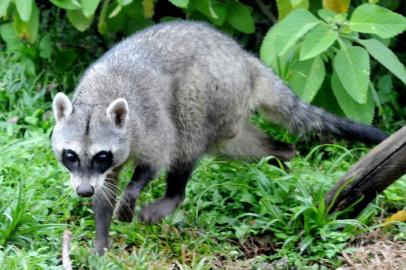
(85, 190)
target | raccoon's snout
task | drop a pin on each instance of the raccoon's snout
(85, 190)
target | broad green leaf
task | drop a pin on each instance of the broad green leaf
(115, 11)
(102, 24)
(239, 17)
(269, 56)
(326, 15)
(9, 36)
(24, 8)
(89, 7)
(268, 52)
(307, 77)
(29, 67)
(66, 4)
(4, 4)
(352, 66)
(292, 28)
(27, 30)
(180, 3)
(373, 19)
(386, 57)
(124, 3)
(299, 4)
(116, 23)
(79, 20)
(221, 12)
(338, 6)
(7, 33)
(284, 7)
(319, 39)
(205, 7)
(363, 113)
(45, 47)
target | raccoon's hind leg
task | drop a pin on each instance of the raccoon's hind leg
(142, 175)
(252, 143)
(175, 193)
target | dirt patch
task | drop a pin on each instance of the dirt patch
(376, 251)
(257, 245)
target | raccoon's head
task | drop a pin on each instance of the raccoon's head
(90, 140)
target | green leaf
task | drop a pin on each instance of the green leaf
(284, 7)
(79, 20)
(326, 14)
(102, 24)
(29, 66)
(220, 10)
(9, 35)
(307, 78)
(205, 7)
(319, 39)
(24, 8)
(4, 4)
(292, 28)
(124, 3)
(66, 4)
(268, 52)
(27, 30)
(89, 7)
(386, 57)
(373, 19)
(363, 113)
(352, 66)
(45, 47)
(180, 3)
(239, 17)
(299, 4)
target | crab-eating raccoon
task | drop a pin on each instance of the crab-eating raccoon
(164, 97)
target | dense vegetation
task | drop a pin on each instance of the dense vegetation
(237, 214)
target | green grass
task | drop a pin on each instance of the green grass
(236, 215)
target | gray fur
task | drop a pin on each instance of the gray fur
(190, 89)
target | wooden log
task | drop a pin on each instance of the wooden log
(382, 166)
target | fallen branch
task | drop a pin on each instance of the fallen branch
(66, 262)
(382, 166)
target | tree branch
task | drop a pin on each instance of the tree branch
(264, 9)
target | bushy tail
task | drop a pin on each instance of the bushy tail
(283, 107)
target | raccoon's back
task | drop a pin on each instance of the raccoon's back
(164, 53)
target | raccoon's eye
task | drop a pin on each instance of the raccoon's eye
(102, 161)
(70, 159)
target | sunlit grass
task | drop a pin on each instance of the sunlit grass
(227, 203)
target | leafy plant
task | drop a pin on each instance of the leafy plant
(305, 50)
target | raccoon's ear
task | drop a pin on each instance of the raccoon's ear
(62, 107)
(118, 112)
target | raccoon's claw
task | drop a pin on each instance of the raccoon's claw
(155, 211)
(125, 211)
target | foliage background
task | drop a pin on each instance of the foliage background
(313, 56)
(236, 214)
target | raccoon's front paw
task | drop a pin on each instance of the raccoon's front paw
(125, 211)
(155, 211)
(101, 246)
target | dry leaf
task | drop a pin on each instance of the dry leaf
(338, 6)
